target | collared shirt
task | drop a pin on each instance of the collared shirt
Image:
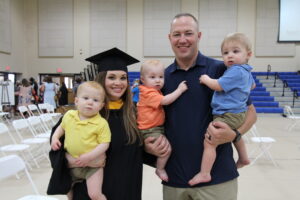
(236, 84)
(82, 136)
(186, 123)
(178, 67)
(150, 110)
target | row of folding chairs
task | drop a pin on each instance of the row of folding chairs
(26, 143)
(26, 138)
(45, 112)
(13, 165)
(29, 136)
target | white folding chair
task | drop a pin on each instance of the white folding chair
(23, 111)
(34, 110)
(262, 147)
(13, 164)
(290, 114)
(14, 147)
(39, 146)
(46, 108)
(37, 127)
(47, 120)
(42, 107)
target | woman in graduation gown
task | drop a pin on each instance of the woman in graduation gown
(123, 168)
(125, 156)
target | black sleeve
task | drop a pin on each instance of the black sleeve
(54, 128)
(149, 159)
(80, 191)
(60, 181)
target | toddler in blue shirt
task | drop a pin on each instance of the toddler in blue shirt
(229, 101)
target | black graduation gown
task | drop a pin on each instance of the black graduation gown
(60, 181)
(124, 167)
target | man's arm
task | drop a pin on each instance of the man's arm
(220, 133)
(157, 146)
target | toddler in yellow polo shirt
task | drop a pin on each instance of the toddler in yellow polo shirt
(87, 137)
(151, 115)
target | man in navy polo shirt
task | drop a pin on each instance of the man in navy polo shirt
(188, 121)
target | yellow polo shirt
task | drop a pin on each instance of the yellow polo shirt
(82, 136)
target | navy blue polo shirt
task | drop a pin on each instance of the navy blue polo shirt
(186, 122)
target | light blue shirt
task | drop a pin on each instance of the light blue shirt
(236, 83)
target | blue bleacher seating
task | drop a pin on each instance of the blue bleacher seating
(263, 102)
(261, 99)
(132, 75)
(259, 93)
(269, 110)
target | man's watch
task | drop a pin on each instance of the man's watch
(238, 136)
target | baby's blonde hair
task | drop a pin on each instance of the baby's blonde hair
(92, 84)
(150, 63)
(240, 38)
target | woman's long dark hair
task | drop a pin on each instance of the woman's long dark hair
(129, 111)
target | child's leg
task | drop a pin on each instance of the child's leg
(208, 159)
(94, 185)
(98, 162)
(70, 195)
(242, 152)
(160, 167)
(71, 161)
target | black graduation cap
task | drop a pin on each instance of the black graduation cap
(112, 59)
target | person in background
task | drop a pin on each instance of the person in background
(77, 82)
(48, 88)
(56, 97)
(188, 121)
(35, 87)
(25, 93)
(135, 91)
(151, 115)
(87, 137)
(16, 94)
(63, 94)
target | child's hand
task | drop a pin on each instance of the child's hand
(203, 78)
(182, 86)
(55, 144)
(83, 160)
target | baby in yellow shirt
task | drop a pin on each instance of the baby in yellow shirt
(87, 137)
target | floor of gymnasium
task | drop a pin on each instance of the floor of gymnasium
(260, 181)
